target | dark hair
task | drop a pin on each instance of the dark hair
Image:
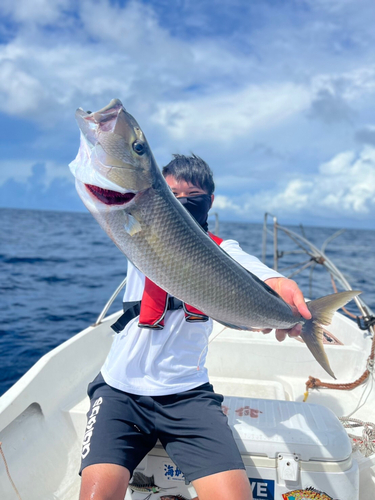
(191, 169)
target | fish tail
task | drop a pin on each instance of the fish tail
(322, 311)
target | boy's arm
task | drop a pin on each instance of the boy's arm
(290, 292)
(286, 288)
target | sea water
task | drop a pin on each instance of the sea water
(58, 269)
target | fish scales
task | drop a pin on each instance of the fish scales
(204, 275)
(119, 182)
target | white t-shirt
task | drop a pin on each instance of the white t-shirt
(161, 362)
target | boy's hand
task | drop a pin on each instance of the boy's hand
(290, 292)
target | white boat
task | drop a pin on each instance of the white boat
(291, 448)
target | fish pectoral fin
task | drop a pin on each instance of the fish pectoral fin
(131, 225)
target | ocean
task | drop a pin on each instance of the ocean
(58, 269)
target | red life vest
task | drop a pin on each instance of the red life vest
(155, 303)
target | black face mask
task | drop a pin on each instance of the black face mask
(198, 207)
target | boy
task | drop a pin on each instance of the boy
(149, 387)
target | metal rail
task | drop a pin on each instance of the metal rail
(316, 256)
(110, 302)
(216, 215)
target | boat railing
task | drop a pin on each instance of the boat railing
(110, 302)
(217, 224)
(315, 257)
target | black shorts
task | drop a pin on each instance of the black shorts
(122, 428)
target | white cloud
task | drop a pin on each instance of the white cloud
(225, 203)
(232, 115)
(38, 11)
(21, 93)
(348, 182)
(133, 26)
(338, 165)
(344, 186)
(44, 84)
(350, 85)
(111, 52)
(194, 85)
(21, 171)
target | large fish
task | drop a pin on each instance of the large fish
(120, 183)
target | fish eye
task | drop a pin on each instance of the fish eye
(139, 148)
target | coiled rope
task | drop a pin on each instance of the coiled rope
(365, 443)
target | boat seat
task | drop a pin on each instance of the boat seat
(249, 388)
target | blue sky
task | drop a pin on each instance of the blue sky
(277, 96)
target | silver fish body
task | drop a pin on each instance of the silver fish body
(163, 241)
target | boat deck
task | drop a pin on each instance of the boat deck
(43, 416)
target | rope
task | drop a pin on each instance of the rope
(365, 443)
(8, 473)
(206, 346)
(314, 383)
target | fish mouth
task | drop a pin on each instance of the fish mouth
(109, 197)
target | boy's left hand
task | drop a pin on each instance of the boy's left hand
(290, 292)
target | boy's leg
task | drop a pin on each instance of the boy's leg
(223, 486)
(119, 433)
(195, 433)
(109, 482)
(104, 482)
